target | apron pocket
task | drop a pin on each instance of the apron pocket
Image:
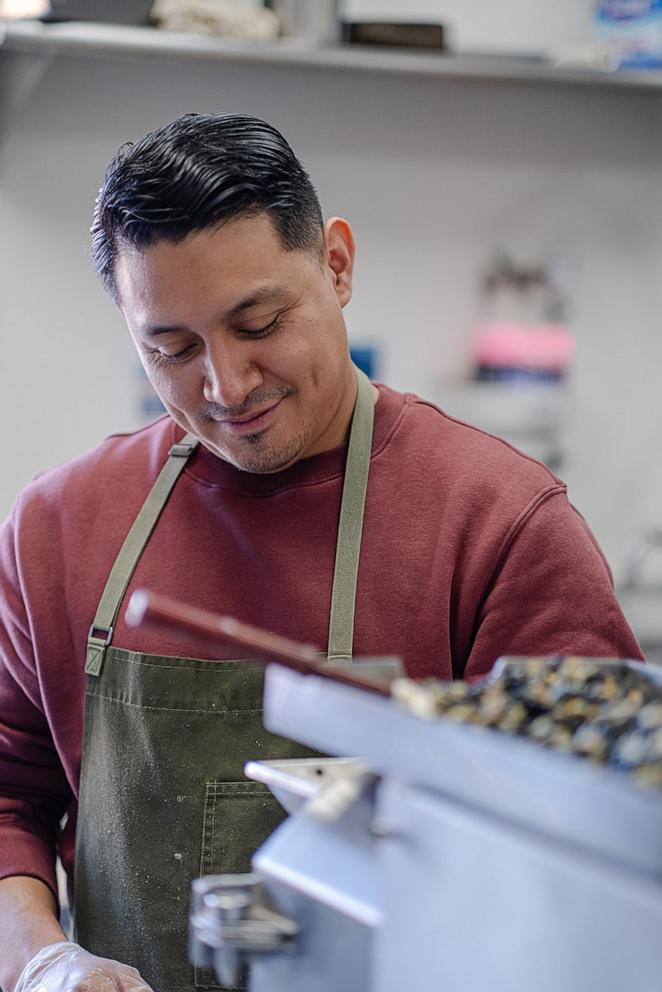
(238, 817)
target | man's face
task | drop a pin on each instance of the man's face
(245, 341)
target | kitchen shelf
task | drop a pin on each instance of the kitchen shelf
(31, 38)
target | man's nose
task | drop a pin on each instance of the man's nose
(230, 376)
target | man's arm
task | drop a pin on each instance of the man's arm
(551, 592)
(34, 792)
(29, 922)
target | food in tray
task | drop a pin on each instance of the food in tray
(607, 711)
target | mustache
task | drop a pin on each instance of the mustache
(258, 398)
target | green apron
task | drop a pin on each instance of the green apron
(163, 798)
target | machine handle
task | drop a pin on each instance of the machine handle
(152, 608)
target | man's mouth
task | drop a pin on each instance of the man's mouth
(251, 422)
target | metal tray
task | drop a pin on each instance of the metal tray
(569, 800)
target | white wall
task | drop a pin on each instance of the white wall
(432, 174)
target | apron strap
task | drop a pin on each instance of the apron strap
(101, 631)
(348, 547)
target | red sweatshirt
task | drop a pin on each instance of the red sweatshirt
(470, 550)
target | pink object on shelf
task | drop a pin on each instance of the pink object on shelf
(538, 347)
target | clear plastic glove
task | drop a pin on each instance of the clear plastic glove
(66, 967)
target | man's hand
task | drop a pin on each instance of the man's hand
(28, 911)
(36, 955)
(66, 967)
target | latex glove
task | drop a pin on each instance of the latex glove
(67, 967)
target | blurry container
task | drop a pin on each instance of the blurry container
(521, 353)
(314, 21)
(365, 357)
(631, 30)
(505, 351)
(395, 34)
(522, 336)
(118, 12)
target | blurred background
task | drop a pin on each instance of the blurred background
(501, 165)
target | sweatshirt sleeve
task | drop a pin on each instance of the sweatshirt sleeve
(34, 792)
(550, 593)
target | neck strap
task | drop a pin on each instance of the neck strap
(350, 527)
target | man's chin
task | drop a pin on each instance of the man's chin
(258, 457)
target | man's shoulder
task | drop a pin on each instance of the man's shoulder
(446, 451)
(120, 461)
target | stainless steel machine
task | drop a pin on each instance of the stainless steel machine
(445, 857)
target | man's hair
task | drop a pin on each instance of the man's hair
(194, 174)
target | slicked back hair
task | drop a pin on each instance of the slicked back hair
(194, 174)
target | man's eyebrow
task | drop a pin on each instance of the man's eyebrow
(265, 294)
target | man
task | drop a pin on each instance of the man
(281, 487)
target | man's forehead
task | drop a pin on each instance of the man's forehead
(207, 269)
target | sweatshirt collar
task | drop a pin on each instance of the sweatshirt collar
(211, 470)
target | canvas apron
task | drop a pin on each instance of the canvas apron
(163, 798)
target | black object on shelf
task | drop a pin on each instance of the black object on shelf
(116, 12)
(394, 34)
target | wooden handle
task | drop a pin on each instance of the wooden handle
(152, 608)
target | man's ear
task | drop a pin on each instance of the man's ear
(339, 251)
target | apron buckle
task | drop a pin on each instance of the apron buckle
(182, 450)
(98, 639)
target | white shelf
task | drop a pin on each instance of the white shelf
(79, 38)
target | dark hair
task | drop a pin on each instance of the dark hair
(195, 173)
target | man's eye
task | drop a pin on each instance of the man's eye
(177, 356)
(261, 332)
